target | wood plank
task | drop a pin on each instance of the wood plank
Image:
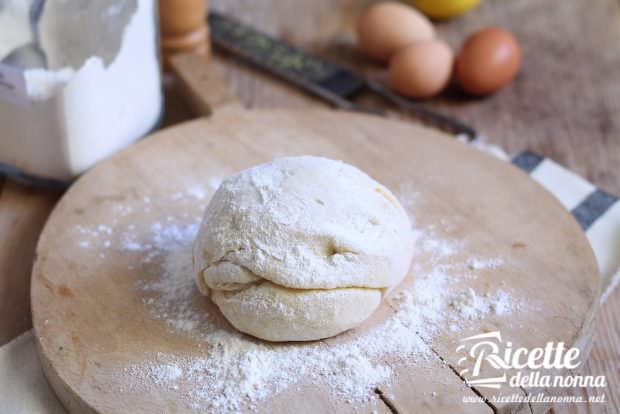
(23, 212)
(565, 103)
(604, 358)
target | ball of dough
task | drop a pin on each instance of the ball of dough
(301, 248)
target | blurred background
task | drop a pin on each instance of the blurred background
(564, 102)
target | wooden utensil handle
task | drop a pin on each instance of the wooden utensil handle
(202, 84)
(183, 25)
(179, 17)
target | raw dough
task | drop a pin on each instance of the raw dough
(301, 248)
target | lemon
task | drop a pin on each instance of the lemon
(444, 9)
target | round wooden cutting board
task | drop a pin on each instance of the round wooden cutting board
(92, 319)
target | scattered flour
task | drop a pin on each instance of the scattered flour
(236, 372)
(165, 373)
(478, 263)
(472, 306)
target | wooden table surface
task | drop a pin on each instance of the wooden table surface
(565, 104)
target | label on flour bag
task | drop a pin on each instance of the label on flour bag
(13, 85)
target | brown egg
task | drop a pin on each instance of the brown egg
(386, 27)
(422, 69)
(488, 60)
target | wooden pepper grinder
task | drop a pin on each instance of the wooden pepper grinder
(183, 27)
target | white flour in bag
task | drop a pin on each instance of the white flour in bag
(238, 372)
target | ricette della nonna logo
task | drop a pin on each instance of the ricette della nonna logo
(488, 362)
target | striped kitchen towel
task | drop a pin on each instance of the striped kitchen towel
(597, 211)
